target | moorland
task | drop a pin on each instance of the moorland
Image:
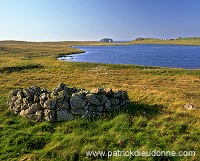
(155, 119)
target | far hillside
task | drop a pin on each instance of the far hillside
(177, 41)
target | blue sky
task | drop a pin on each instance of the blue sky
(58, 20)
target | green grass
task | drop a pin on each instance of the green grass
(155, 120)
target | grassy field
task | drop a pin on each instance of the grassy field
(156, 119)
(178, 41)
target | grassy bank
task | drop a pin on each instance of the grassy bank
(156, 119)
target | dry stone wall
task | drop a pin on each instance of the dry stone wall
(64, 103)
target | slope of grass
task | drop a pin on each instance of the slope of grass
(156, 119)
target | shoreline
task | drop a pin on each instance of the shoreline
(69, 57)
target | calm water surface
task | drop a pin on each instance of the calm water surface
(149, 55)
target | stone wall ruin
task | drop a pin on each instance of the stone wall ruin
(64, 103)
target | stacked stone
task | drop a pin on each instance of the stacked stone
(65, 103)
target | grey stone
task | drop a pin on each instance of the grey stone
(77, 111)
(62, 86)
(17, 108)
(189, 106)
(124, 95)
(104, 99)
(49, 115)
(39, 115)
(54, 94)
(50, 104)
(97, 91)
(14, 98)
(66, 95)
(99, 108)
(92, 108)
(36, 99)
(24, 112)
(24, 106)
(62, 105)
(44, 90)
(43, 97)
(34, 107)
(27, 92)
(92, 98)
(114, 101)
(117, 94)
(13, 92)
(64, 115)
(86, 114)
(20, 95)
(28, 100)
(108, 91)
(77, 101)
(61, 96)
(11, 105)
(108, 103)
(18, 102)
(66, 105)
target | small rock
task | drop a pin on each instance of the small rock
(62, 86)
(49, 115)
(20, 95)
(27, 92)
(43, 97)
(97, 91)
(34, 107)
(117, 94)
(14, 98)
(44, 90)
(13, 92)
(39, 115)
(24, 112)
(108, 91)
(36, 99)
(189, 106)
(50, 104)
